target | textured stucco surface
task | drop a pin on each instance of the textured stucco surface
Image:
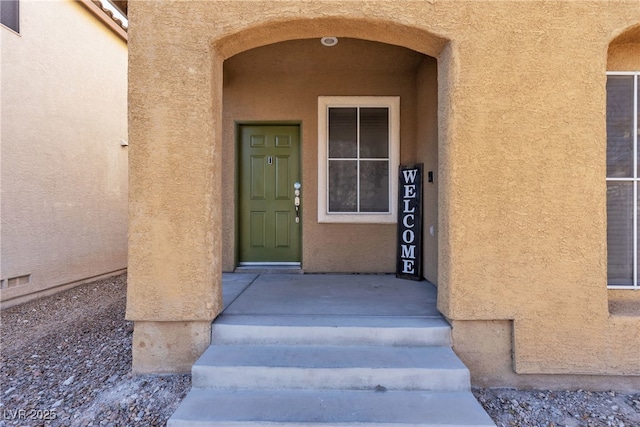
(485, 348)
(163, 347)
(427, 153)
(521, 160)
(174, 220)
(63, 169)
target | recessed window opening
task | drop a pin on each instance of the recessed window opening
(358, 154)
(623, 179)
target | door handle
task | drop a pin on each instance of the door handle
(296, 201)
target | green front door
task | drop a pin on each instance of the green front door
(269, 168)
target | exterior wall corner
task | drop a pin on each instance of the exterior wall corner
(168, 347)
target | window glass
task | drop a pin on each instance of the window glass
(9, 14)
(361, 134)
(374, 133)
(374, 186)
(620, 232)
(620, 126)
(343, 186)
(343, 133)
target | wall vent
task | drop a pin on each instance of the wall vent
(16, 281)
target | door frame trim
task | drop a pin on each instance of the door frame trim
(237, 124)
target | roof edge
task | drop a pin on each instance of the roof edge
(106, 18)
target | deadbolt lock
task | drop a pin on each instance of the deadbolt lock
(296, 201)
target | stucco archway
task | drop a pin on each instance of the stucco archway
(384, 30)
(282, 82)
(623, 52)
(519, 154)
(376, 32)
(175, 287)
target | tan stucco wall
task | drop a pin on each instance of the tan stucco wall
(282, 82)
(624, 57)
(521, 160)
(624, 51)
(174, 270)
(485, 346)
(186, 341)
(63, 169)
(427, 153)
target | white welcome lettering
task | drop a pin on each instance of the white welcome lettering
(407, 266)
(408, 251)
(410, 191)
(405, 221)
(409, 221)
(410, 175)
(408, 236)
(406, 206)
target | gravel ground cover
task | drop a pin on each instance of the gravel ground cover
(65, 360)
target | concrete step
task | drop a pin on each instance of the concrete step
(205, 407)
(332, 330)
(330, 367)
(317, 370)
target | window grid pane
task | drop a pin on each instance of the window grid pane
(360, 134)
(358, 163)
(636, 184)
(374, 187)
(374, 133)
(620, 233)
(623, 179)
(343, 185)
(620, 126)
(343, 133)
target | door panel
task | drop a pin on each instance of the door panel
(283, 221)
(258, 178)
(283, 141)
(283, 185)
(258, 226)
(269, 166)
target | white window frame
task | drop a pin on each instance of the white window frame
(635, 285)
(326, 102)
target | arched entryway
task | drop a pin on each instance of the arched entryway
(175, 288)
(281, 84)
(520, 164)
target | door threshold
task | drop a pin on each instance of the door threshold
(269, 268)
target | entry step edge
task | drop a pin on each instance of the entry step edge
(331, 330)
(269, 269)
(331, 320)
(330, 356)
(205, 407)
(330, 367)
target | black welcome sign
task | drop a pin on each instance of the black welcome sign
(409, 252)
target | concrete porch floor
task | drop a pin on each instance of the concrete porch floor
(343, 295)
(329, 350)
